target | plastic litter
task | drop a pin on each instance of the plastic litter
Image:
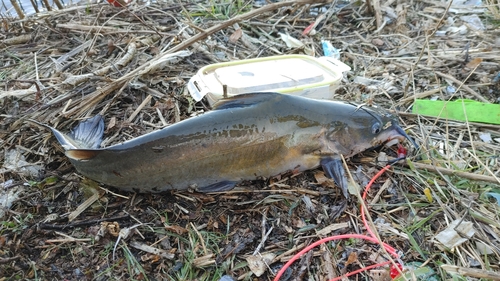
(458, 110)
(291, 74)
(456, 234)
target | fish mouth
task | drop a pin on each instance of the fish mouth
(394, 135)
(404, 136)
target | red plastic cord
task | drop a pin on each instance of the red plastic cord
(368, 186)
(389, 249)
(371, 238)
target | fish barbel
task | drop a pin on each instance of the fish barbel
(243, 138)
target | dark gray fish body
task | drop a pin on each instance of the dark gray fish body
(246, 137)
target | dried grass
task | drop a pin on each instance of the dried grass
(132, 65)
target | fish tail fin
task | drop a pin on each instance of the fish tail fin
(86, 136)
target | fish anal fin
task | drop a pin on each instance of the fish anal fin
(82, 154)
(245, 100)
(218, 187)
(334, 169)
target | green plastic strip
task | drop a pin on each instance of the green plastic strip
(457, 110)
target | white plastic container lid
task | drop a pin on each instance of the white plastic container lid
(291, 74)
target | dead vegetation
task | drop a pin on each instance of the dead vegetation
(132, 64)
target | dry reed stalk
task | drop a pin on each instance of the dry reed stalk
(19, 12)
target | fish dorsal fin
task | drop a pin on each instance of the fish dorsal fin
(246, 100)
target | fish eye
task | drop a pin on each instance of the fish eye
(376, 128)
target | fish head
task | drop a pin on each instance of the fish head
(365, 128)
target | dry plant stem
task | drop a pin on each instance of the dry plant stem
(473, 154)
(140, 19)
(139, 108)
(47, 5)
(465, 87)
(286, 255)
(58, 4)
(263, 241)
(263, 233)
(8, 260)
(201, 239)
(82, 207)
(328, 262)
(35, 6)
(204, 34)
(101, 93)
(450, 172)
(82, 223)
(67, 239)
(370, 221)
(472, 272)
(465, 114)
(378, 13)
(104, 29)
(17, 8)
(421, 95)
(423, 49)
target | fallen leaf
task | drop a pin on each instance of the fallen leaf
(353, 257)
(456, 233)
(474, 63)
(175, 228)
(236, 35)
(112, 123)
(112, 228)
(428, 194)
(378, 42)
(258, 264)
(323, 180)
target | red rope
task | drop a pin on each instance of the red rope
(371, 238)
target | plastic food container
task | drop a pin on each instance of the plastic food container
(289, 74)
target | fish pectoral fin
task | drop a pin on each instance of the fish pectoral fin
(334, 169)
(245, 100)
(218, 187)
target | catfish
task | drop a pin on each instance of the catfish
(245, 137)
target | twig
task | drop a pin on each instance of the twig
(139, 108)
(201, 239)
(82, 207)
(264, 234)
(451, 172)
(471, 272)
(101, 93)
(17, 8)
(421, 95)
(67, 239)
(467, 88)
(106, 29)
(445, 14)
(378, 14)
(82, 223)
(7, 260)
